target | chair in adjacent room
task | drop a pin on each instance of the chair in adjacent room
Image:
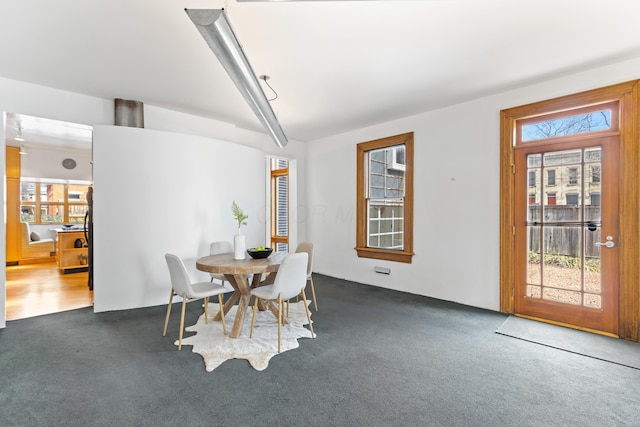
(308, 248)
(182, 286)
(290, 281)
(32, 246)
(216, 248)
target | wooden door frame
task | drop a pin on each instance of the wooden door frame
(627, 95)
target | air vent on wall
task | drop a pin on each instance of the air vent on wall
(128, 113)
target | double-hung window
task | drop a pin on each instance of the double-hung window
(385, 198)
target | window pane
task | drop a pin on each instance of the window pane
(567, 175)
(282, 211)
(385, 178)
(534, 269)
(534, 161)
(277, 164)
(563, 158)
(76, 213)
(590, 122)
(78, 193)
(28, 213)
(28, 191)
(52, 214)
(386, 224)
(51, 192)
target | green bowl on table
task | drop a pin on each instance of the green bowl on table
(259, 252)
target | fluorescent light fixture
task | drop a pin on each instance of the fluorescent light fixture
(23, 150)
(217, 32)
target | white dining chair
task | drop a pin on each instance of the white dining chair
(183, 287)
(290, 281)
(216, 248)
(308, 248)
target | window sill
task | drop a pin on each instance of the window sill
(385, 254)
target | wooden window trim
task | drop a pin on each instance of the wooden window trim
(627, 95)
(363, 251)
(276, 173)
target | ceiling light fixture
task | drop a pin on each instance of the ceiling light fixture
(19, 136)
(265, 78)
(23, 151)
(217, 32)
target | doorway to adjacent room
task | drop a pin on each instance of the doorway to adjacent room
(48, 173)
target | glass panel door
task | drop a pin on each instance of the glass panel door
(563, 224)
(566, 234)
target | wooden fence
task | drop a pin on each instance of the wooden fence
(563, 228)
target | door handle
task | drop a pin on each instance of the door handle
(609, 243)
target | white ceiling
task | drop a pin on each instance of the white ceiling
(38, 132)
(336, 65)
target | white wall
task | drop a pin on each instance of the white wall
(157, 192)
(457, 184)
(39, 101)
(456, 206)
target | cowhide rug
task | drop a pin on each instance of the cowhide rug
(215, 347)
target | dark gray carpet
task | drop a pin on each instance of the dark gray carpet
(601, 347)
(381, 358)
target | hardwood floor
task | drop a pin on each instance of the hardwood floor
(37, 289)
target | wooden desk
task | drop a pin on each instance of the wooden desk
(236, 272)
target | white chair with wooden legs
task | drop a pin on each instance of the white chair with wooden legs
(183, 287)
(308, 248)
(290, 281)
(221, 247)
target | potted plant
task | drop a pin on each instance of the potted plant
(238, 239)
(82, 258)
(239, 215)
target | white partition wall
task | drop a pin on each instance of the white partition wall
(157, 192)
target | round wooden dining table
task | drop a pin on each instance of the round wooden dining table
(237, 272)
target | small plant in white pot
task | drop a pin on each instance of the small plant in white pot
(238, 239)
(239, 215)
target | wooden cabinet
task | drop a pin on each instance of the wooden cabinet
(13, 204)
(69, 256)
